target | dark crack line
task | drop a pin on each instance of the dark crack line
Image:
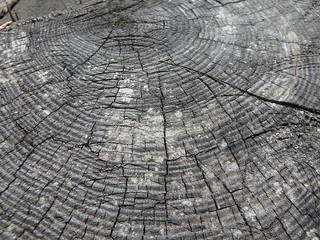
(244, 91)
(162, 97)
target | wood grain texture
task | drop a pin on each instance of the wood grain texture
(24, 9)
(162, 120)
(5, 4)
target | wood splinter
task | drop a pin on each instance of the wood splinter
(5, 25)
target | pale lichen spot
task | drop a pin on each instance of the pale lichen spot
(232, 167)
(222, 144)
(134, 180)
(249, 213)
(187, 203)
(237, 234)
(162, 232)
(125, 94)
(291, 46)
(220, 15)
(228, 29)
(46, 112)
(178, 114)
(312, 234)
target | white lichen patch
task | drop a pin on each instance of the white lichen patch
(187, 203)
(249, 213)
(44, 201)
(125, 94)
(229, 29)
(149, 175)
(162, 232)
(135, 180)
(291, 46)
(158, 159)
(178, 114)
(222, 144)
(220, 14)
(312, 234)
(46, 112)
(231, 167)
(237, 234)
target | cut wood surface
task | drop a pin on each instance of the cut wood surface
(162, 120)
(23, 9)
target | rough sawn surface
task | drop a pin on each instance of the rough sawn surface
(162, 120)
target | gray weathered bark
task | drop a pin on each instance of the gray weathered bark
(162, 120)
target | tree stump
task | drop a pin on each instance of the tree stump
(23, 9)
(162, 120)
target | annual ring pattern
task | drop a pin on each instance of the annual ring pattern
(162, 120)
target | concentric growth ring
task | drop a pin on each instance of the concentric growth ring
(162, 120)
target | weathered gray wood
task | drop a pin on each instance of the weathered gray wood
(162, 120)
(24, 9)
(5, 6)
